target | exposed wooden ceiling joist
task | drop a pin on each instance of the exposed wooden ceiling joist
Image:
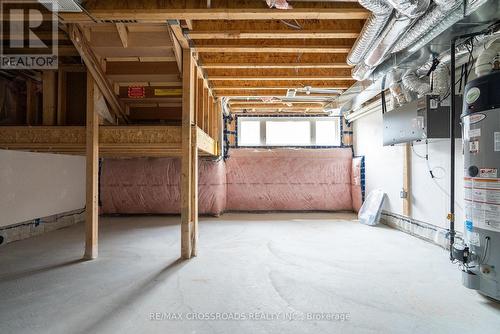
(277, 78)
(153, 11)
(334, 84)
(269, 58)
(272, 34)
(137, 67)
(272, 49)
(272, 65)
(134, 39)
(259, 93)
(322, 73)
(277, 25)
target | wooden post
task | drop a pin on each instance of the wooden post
(194, 189)
(30, 102)
(49, 97)
(61, 97)
(206, 108)
(92, 156)
(199, 98)
(407, 181)
(189, 161)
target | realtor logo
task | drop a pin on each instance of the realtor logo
(29, 32)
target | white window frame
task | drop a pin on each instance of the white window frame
(312, 126)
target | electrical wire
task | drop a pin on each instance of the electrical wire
(296, 25)
(432, 171)
(485, 252)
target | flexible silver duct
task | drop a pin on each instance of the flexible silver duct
(443, 15)
(407, 11)
(398, 95)
(484, 63)
(441, 79)
(383, 45)
(361, 71)
(410, 8)
(415, 84)
(373, 26)
(440, 10)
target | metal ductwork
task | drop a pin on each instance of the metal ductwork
(382, 30)
(413, 83)
(410, 8)
(484, 62)
(440, 10)
(62, 6)
(398, 94)
(376, 22)
(418, 56)
(441, 79)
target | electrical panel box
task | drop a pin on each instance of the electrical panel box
(424, 118)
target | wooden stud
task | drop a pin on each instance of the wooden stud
(61, 97)
(194, 190)
(123, 33)
(206, 110)
(177, 49)
(31, 103)
(92, 172)
(95, 70)
(49, 97)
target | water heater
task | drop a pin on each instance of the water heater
(480, 253)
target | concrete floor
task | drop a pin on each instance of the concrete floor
(261, 265)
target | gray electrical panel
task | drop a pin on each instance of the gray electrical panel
(424, 118)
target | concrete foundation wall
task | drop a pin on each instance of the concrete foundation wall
(384, 169)
(36, 185)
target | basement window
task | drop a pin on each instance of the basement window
(292, 131)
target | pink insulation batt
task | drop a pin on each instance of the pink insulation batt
(250, 180)
(289, 179)
(152, 185)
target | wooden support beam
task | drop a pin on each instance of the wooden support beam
(177, 49)
(113, 11)
(277, 78)
(257, 85)
(267, 59)
(219, 125)
(92, 174)
(205, 142)
(214, 65)
(272, 34)
(176, 30)
(277, 73)
(114, 141)
(95, 70)
(272, 49)
(49, 97)
(189, 162)
(123, 33)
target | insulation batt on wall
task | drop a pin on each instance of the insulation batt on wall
(250, 180)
